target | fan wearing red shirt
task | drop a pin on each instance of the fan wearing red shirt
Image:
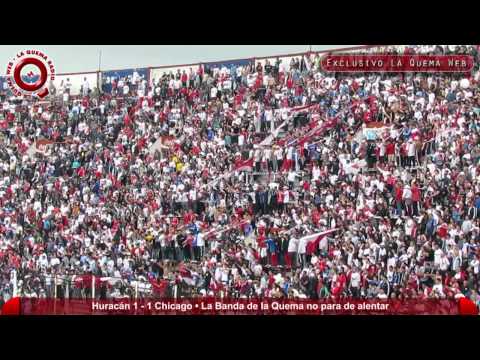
(355, 85)
(315, 216)
(239, 210)
(263, 247)
(271, 280)
(367, 116)
(416, 197)
(371, 271)
(336, 289)
(289, 82)
(298, 90)
(442, 231)
(339, 285)
(342, 278)
(377, 152)
(258, 82)
(398, 198)
(238, 99)
(188, 217)
(390, 151)
(184, 79)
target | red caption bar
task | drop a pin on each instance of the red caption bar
(209, 306)
(397, 63)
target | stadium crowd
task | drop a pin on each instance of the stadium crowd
(191, 186)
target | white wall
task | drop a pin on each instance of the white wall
(158, 72)
(76, 81)
(285, 60)
(376, 49)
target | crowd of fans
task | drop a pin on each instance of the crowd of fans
(190, 187)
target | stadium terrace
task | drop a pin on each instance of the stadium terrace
(254, 178)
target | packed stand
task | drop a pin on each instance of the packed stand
(189, 187)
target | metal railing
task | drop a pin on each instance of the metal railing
(75, 287)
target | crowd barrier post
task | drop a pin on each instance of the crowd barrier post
(67, 297)
(149, 76)
(15, 283)
(55, 295)
(99, 83)
(67, 290)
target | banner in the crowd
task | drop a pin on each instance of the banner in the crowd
(162, 143)
(374, 131)
(157, 73)
(41, 145)
(228, 64)
(3, 83)
(109, 76)
(4, 88)
(352, 167)
(75, 82)
(316, 241)
(292, 111)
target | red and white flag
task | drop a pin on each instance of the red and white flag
(317, 240)
(303, 107)
(158, 286)
(216, 286)
(246, 165)
(268, 140)
(186, 275)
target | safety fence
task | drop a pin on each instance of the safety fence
(87, 286)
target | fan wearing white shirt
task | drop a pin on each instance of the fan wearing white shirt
(293, 249)
(213, 93)
(85, 87)
(438, 253)
(444, 262)
(438, 288)
(475, 263)
(355, 280)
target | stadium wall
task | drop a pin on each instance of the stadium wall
(229, 63)
(157, 72)
(76, 79)
(108, 76)
(285, 60)
(3, 83)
